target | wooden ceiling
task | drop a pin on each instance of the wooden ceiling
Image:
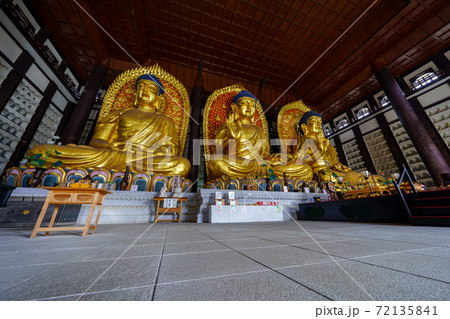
(246, 41)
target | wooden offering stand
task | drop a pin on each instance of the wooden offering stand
(71, 195)
(160, 209)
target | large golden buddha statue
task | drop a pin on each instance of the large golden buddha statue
(314, 149)
(140, 136)
(241, 138)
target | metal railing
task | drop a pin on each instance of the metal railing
(398, 184)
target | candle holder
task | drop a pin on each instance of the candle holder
(395, 177)
(366, 175)
(340, 180)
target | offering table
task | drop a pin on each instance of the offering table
(68, 195)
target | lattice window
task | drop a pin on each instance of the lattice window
(422, 79)
(384, 100)
(342, 123)
(362, 112)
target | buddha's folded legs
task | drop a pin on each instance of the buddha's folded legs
(80, 156)
(161, 165)
(304, 172)
(237, 168)
(351, 177)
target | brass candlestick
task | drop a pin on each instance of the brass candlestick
(340, 180)
(366, 175)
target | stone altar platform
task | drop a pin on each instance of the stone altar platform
(139, 207)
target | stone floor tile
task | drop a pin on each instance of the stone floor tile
(264, 285)
(129, 294)
(443, 252)
(128, 272)
(113, 252)
(182, 248)
(344, 249)
(377, 283)
(284, 256)
(41, 257)
(67, 279)
(428, 266)
(227, 262)
(13, 275)
(201, 265)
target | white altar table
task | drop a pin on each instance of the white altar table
(245, 214)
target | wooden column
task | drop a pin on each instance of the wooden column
(68, 110)
(340, 150)
(364, 151)
(350, 116)
(373, 105)
(92, 129)
(402, 84)
(332, 125)
(14, 77)
(194, 135)
(260, 88)
(421, 139)
(78, 119)
(431, 129)
(63, 65)
(42, 35)
(32, 127)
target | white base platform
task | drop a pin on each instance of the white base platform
(139, 207)
(289, 201)
(245, 214)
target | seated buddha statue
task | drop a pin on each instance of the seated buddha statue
(240, 145)
(140, 136)
(314, 149)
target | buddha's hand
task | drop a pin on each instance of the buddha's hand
(292, 160)
(121, 146)
(323, 144)
(234, 127)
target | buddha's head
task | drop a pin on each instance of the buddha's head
(311, 124)
(244, 105)
(149, 89)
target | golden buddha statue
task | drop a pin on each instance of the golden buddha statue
(241, 146)
(140, 137)
(314, 149)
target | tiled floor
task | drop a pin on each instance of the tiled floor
(257, 261)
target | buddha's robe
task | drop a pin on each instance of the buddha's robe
(240, 157)
(144, 140)
(321, 157)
